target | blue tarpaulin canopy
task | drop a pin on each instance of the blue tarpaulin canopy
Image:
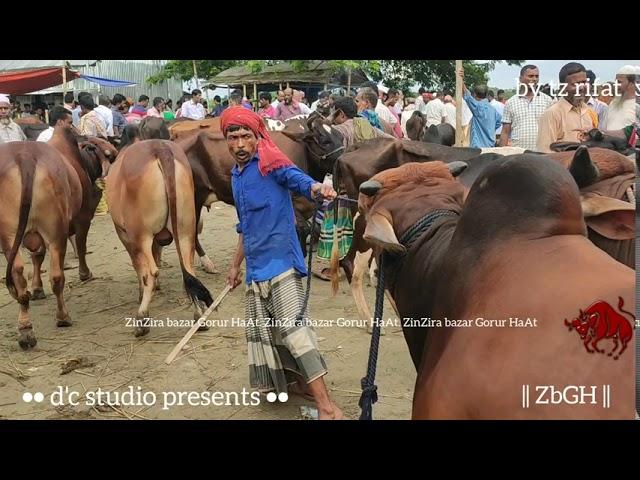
(105, 82)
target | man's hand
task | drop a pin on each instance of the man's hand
(234, 277)
(325, 191)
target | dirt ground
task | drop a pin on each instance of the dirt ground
(213, 361)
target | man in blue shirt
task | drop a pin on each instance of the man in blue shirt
(280, 351)
(486, 119)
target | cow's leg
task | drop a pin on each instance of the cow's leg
(82, 230)
(206, 262)
(37, 258)
(147, 273)
(27, 338)
(616, 344)
(586, 343)
(74, 245)
(57, 252)
(594, 344)
(157, 257)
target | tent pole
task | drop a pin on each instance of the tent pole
(195, 75)
(459, 101)
(64, 80)
(255, 97)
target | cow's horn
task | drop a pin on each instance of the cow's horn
(456, 168)
(582, 169)
(370, 187)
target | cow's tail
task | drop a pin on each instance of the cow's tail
(27, 167)
(621, 304)
(335, 248)
(194, 287)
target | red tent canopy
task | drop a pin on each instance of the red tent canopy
(20, 83)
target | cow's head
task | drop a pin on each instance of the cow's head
(98, 155)
(394, 199)
(416, 125)
(324, 143)
(580, 324)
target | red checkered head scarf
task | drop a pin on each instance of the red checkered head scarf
(271, 157)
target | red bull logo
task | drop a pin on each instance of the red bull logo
(600, 321)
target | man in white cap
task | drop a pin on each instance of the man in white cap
(10, 131)
(623, 109)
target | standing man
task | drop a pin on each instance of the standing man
(568, 118)
(10, 131)
(105, 113)
(158, 108)
(435, 111)
(280, 352)
(288, 107)
(217, 106)
(598, 108)
(68, 101)
(266, 110)
(450, 111)
(622, 109)
(193, 108)
(119, 122)
(485, 119)
(58, 117)
(523, 110)
(422, 100)
(91, 124)
(279, 99)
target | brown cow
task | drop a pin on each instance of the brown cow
(151, 201)
(46, 193)
(501, 275)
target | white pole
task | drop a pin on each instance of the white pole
(459, 101)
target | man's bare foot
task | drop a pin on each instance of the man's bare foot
(332, 414)
(300, 390)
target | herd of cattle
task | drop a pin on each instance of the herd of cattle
(509, 236)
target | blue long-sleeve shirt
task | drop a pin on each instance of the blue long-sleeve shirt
(267, 220)
(486, 120)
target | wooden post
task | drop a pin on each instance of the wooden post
(255, 97)
(349, 81)
(64, 81)
(244, 90)
(459, 101)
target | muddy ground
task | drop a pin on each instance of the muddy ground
(213, 361)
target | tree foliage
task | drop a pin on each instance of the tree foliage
(402, 74)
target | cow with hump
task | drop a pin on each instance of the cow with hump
(151, 199)
(516, 250)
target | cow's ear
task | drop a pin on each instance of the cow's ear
(379, 231)
(610, 217)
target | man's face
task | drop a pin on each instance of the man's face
(577, 87)
(5, 110)
(625, 84)
(144, 103)
(66, 122)
(425, 96)
(280, 96)
(361, 103)
(196, 98)
(264, 103)
(288, 96)
(242, 145)
(530, 77)
(338, 117)
(160, 107)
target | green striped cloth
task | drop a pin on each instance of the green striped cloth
(345, 232)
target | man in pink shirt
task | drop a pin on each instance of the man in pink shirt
(158, 108)
(288, 108)
(266, 109)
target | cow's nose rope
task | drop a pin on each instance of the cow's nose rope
(369, 388)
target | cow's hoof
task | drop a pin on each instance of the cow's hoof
(84, 277)
(141, 331)
(64, 322)
(38, 294)
(27, 339)
(207, 265)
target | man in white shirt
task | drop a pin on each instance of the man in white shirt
(279, 99)
(435, 112)
(105, 113)
(499, 106)
(422, 100)
(68, 101)
(622, 109)
(10, 131)
(193, 108)
(58, 117)
(450, 111)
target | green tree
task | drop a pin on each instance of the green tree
(183, 69)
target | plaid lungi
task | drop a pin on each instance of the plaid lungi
(276, 346)
(344, 226)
